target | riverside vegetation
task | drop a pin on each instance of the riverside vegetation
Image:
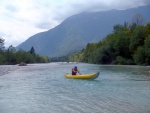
(128, 44)
(11, 56)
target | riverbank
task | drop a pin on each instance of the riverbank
(5, 69)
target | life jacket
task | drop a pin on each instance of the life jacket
(74, 73)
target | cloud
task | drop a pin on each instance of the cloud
(20, 19)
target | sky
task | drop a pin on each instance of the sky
(21, 19)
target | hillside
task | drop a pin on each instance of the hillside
(76, 31)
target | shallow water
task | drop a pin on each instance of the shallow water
(42, 88)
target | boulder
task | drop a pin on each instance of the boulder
(22, 64)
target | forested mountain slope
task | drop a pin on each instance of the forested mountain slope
(77, 31)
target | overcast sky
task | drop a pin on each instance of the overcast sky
(20, 19)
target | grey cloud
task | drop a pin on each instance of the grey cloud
(64, 11)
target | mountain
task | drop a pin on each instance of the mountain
(76, 31)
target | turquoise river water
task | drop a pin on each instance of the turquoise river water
(43, 88)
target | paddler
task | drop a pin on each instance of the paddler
(75, 70)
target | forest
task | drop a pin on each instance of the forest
(128, 44)
(10, 56)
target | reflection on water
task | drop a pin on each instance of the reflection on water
(42, 88)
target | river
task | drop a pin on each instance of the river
(43, 88)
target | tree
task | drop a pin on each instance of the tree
(88, 53)
(139, 56)
(137, 39)
(32, 51)
(11, 48)
(2, 57)
(118, 28)
(2, 43)
(147, 50)
(105, 55)
(138, 19)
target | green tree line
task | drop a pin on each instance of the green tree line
(10, 56)
(127, 44)
(60, 59)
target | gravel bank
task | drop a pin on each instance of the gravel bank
(5, 69)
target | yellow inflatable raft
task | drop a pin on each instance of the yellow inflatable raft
(83, 76)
